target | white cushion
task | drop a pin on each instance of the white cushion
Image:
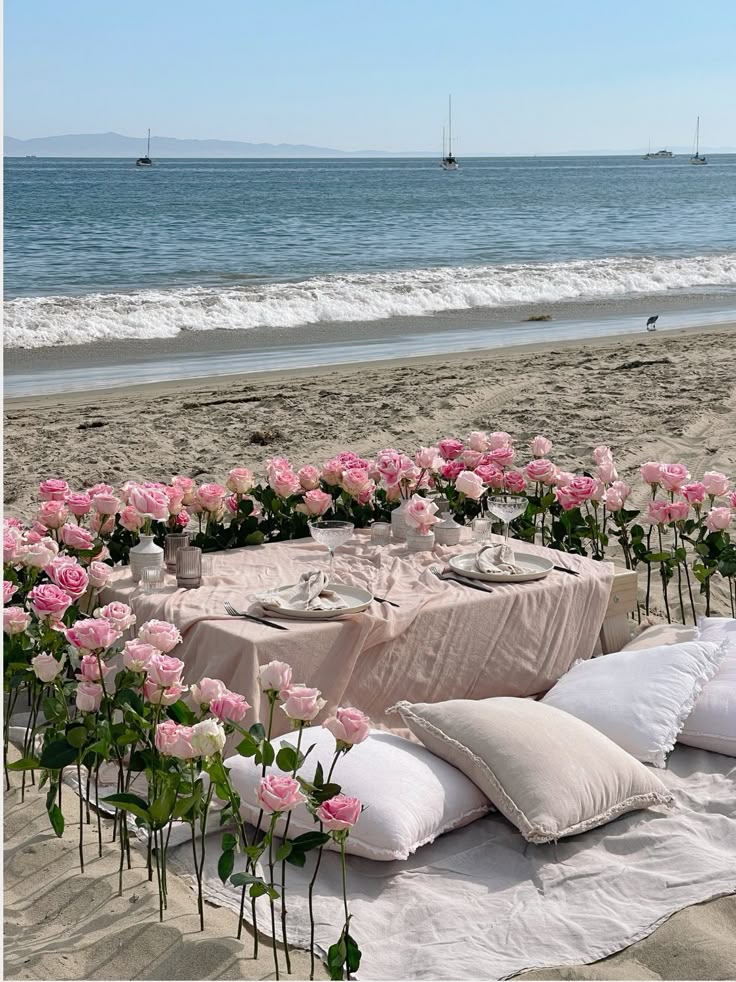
(712, 723)
(410, 796)
(550, 774)
(639, 699)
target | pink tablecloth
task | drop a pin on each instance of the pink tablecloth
(445, 641)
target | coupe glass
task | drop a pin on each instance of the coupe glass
(332, 534)
(506, 508)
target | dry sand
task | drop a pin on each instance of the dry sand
(60, 924)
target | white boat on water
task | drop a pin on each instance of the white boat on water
(146, 161)
(658, 155)
(448, 162)
(697, 157)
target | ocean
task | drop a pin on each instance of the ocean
(99, 250)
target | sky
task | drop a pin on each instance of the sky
(526, 76)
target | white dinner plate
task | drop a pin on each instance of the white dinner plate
(536, 567)
(355, 597)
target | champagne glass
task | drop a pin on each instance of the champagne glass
(506, 508)
(331, 533)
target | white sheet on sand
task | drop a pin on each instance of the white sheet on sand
(480, 903)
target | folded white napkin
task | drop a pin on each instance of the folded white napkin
(310, 593)
(498, 559)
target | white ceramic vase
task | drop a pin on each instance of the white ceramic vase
(145, 553)
(398, 522)
(416, 542)
(447, 532)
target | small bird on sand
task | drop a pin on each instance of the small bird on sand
(652, 323)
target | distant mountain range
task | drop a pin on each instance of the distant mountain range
(117, 145)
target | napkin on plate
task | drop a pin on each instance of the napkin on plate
(310, 593)
(498, 559)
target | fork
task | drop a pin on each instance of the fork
(252, 617)
(442, 575)
(383, 600)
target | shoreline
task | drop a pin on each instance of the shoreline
(199, 357)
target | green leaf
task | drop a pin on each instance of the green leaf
(326, 792)
(225, 864)
(310, 840)
(57, 820)
(183, 806)
(181, 713)
(24, 764)
(319, 776)
(353, 954)
(247, 747)
(128, 802)
(58, 754)
(336, 955)
(243, 879)
(257, 890)
(258, 732)
(127, 697)
(287, 759)
(266, 753)
(296, 857)
(229, 841)
(161, 809)
(283, 852)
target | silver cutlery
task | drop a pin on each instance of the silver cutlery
(449, 575)
(253, 617)
(383, 600)
(566, 569)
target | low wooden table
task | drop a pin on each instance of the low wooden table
(616, 629)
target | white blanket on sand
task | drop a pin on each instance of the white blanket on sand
(480, 903)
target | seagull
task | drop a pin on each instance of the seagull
(652, 323)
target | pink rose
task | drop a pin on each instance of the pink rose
(211, 496)
(514, 482)
(53, 490)
(187, 486)
(131, 519)
(278, 794)
(715, 483)
(650, 472)
(499, 440)
(102, 524)
(678, 511)
(165, 671)
(622, 488)
(452, 469)
(606, 472)
(78, 503)
(137, 655)
(613, 500)
(301, 703)
(540, 446)
(421, 514)
(150, 503)
(602, 455)
(206, 691)
(161, 634)
(100, 488)
(563, 478)
(732, 499)
(471, 458)
(285, 483)
(479, 441)
(673, 476)
(355, 480)
(541, 470)
(76, 537)
(89, 697)
(230, 707)
(450, 448)
(175, 497)
(92, 634)
(99, 574)
(69, 575)
(49, 601)
(490, 474)
(8, 590)
(105, 504)
(315, 503)
(658, 512)
(469, 484)
(275, 677)
(348, 726)
(89, 669)
(694, 493)
(308, 477)
(583, 488)
(503, 456)
(40, 553)
(240, 480)
(162, 697)
(45, 667)
(332, 471)
(12, 544)
(174, 740)
(339, 813)
(425, 457)
(52, 514)
(118, 614)
(566, 499)
(718, 519)
(15, 620)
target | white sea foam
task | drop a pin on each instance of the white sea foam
(35, 322)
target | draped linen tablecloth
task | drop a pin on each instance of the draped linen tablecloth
(444, 641)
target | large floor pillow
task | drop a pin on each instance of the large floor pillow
(410, 796)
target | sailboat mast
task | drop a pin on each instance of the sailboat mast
(443, 142)
(148, 147)
(697, 137)
(449, 100)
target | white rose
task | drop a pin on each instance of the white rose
(208, 737)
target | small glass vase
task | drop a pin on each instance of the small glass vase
(398, 522)
(448, 531)
(145, 553)
(416, 542)
(173, 542)
(189, 567)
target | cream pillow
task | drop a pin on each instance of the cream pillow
(549, 773)
(410, 796)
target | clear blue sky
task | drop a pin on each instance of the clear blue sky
(527, 76)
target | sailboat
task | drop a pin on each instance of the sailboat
(146, 161)
(448, 161)
(697, 158)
